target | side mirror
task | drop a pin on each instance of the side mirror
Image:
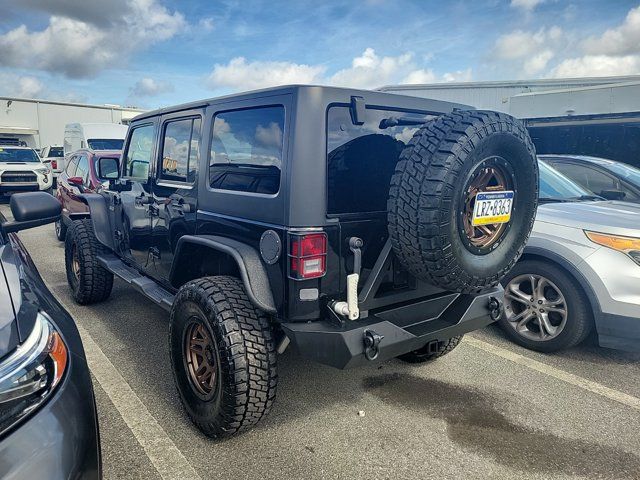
(108, 168)
(30, 210)
(613, 194)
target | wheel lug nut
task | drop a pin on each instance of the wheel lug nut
(540, 302)
(542, 310)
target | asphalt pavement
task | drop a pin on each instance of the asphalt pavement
(489, 409)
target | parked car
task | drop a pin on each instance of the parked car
(22, 170)
(607, 178)
(266, 222)
(53, 156)
(93, 136)
(580, 271)
(48, 421)
(80, 176)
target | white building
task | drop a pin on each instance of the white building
(588, 116)
(41, 122)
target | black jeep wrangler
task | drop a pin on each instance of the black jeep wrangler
(356, 225)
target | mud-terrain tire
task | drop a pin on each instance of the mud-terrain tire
(423, 355)
(89, 281)
(432, 195)
(214, 316)
(559, 285)
(60, 229)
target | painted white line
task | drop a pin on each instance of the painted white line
(570, 378)
(163, 454)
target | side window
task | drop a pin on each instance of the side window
(181, 150)
(71, 166)
(246, 150)
(589, 178)
(83, 168)
(138, 156)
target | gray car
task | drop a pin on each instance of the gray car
(580, 272)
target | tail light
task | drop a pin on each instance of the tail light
(307, 256)
(54, 164)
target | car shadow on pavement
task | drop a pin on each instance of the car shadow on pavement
(474, 423)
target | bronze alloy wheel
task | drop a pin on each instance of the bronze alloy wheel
(75, 263)
(491, 175)
(201, 358)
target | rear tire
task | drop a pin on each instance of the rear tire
(432, 196)
(89, 281)
(579, 316)
(423, 355)
(241, 353)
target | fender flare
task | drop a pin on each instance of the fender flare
(99, 214)
(252, 271)
(574, 272)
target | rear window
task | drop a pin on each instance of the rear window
(246, 150)
(56, 152)
(18, 155)
(361, 158)
(105, 143)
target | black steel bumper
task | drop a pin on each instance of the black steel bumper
(403, 328)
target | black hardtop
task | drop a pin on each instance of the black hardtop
(320, 95)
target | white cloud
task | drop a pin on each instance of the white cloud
(615, 52)
(368, 70)
(458, 76)
(622, 40)
(206, 24)
(78, 48)
(526, 5)
(148, 87)
(420, 76)
(597, 66)
(20, 86)
(538, 62)
(242, 75)
(519, 43)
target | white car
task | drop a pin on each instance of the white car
(53, 157)
(21, 170)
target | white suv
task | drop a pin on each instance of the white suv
(22, 170)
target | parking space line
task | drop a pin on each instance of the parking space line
(570, 378)
(163, 454)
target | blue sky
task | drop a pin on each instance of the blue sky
(160, 52)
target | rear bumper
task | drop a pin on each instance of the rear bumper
(404, 328)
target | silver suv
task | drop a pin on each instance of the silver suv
(580, 271)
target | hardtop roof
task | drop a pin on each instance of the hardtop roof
(420, 103)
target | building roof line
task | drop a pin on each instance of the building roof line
(74, 104)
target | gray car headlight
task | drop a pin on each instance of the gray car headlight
(31, 373)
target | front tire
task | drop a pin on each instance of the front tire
(425, 354)
(89, 281)
(223, 356)
(545, 308)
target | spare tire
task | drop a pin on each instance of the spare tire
(432, 198)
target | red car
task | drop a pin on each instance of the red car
(81, 176)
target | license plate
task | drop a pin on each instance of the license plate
(492, 207)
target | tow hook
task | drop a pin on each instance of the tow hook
(495, 308)
(371, 342)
